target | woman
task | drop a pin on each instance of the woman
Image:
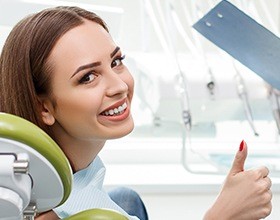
(61, 70)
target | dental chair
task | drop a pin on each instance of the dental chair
(35, 175)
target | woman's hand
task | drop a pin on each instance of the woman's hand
(245, 194)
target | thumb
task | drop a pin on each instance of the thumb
(239, 160)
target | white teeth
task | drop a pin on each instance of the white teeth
(116, 111)
(120, 108)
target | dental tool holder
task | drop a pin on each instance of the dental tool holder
(24, 189)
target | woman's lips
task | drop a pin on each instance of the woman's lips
(113, 111)
(117, 112)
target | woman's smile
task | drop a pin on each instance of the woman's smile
(119, 111)
(116, 112)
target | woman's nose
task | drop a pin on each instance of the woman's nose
(115, 84)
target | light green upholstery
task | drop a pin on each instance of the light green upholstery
(97, 214)
(18, 129)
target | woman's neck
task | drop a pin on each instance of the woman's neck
(80, 153)
(80, 156)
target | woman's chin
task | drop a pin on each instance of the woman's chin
(123, 131)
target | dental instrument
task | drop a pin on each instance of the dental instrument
(198, 48)
(274, 96)
(243, 95)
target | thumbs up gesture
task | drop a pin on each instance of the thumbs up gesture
(245, 194)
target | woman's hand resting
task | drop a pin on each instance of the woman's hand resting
(245, 195)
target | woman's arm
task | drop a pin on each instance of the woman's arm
(245, 194)
(47, 216)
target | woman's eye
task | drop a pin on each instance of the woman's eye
(117, 61)
(87, 78)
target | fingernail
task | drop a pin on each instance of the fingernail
(241, 146)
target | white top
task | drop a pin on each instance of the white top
(88, 192)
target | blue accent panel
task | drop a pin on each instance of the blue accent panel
(244, 39)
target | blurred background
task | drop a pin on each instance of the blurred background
(193, 103)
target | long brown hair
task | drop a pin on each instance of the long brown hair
(24, 69)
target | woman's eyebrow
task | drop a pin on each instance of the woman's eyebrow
(115, 51)
(90, 65)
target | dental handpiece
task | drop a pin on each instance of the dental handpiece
(241, 90)
(186, 114)
(210, 82)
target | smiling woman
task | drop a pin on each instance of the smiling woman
(61, 70)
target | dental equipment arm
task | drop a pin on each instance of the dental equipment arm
(248, 42)
(242, 93)
(196, 46)
(186, 113)
(274, 96)
(240, 85)
(210, 80)
(167, 44)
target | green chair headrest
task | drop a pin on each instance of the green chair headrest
(19, 129)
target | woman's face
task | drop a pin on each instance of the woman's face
(91, 86)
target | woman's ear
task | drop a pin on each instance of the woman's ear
(46, 109)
